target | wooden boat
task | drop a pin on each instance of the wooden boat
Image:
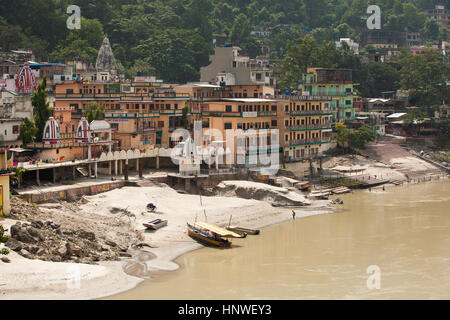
(155, 224)
(212, 235)
(243, 230)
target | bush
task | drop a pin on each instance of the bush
(2, 237)
(4, 251)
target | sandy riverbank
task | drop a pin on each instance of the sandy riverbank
(35, 279)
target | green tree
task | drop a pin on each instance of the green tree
(28, 131)
(83, 43)
(430, 30)
(342, 135)
(93, 111)
(41, 108)
(240, 32)
(425, 76)
(176, 55)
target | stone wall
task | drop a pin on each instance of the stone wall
(73, 193)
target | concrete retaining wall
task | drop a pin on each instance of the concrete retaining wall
(73, 193)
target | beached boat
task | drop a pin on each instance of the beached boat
(212, 235)
(155, 224)
(243, 230)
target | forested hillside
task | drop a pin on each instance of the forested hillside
(173, 38)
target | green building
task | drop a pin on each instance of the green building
(335, 83)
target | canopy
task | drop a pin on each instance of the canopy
(218, 230)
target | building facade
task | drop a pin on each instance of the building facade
(335, 83)
(230, 68)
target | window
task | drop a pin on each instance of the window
(228, 126)
(160, 124)
(168, 106)
(234, 64)
(228, 108)
(274, 123)
(258, 77)
(274, 108)
(286, 123)
(348, 102)
(176, 106)
(70, 91)
(15, 130)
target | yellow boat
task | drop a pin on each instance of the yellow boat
(210, 234)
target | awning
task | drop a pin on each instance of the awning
(218, 230)
(19, 150)
(396, 115)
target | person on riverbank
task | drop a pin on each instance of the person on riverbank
(293, 215)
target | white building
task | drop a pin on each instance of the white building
(228, 67)
(14, 108)
(354, 46)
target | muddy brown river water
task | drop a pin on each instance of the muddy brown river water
(404, 232)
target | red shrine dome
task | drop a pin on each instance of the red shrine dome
(25, 81)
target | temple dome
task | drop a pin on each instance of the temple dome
(105, 59)
(25, 81)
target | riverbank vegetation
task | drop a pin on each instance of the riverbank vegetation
(354, 139)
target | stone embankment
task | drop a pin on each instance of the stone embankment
(277, 196)
(34, 237)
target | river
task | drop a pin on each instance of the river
(402, 232)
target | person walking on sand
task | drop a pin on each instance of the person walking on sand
(293, 215)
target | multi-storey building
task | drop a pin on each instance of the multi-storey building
(305, 126)
(441, 14)
(334, 83)
(246, 121)
(141, 114)
(230, 68)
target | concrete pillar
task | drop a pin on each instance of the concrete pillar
(89, 170)
(54, 175)
(73, 173)
(115, 167)
(157, 162)
(120, 166)
(110, 168)
(139, 165)
(95, 170)
(38, 181)
(311, 167)
(187, 184)
(126, 170)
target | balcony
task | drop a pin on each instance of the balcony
(306, 157)
(249, 114)
(299, 98)
(306, 142)
(300, 113)
(310, 127)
